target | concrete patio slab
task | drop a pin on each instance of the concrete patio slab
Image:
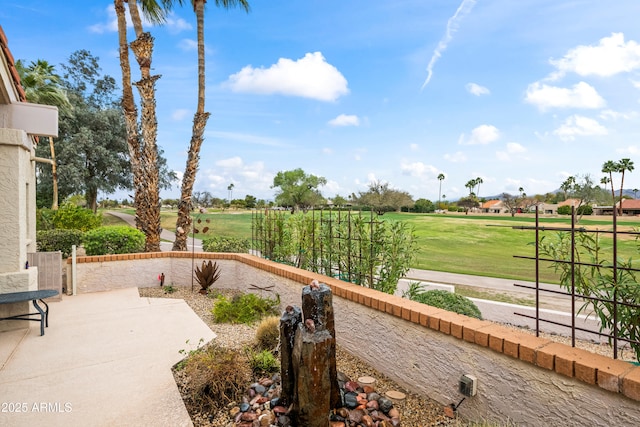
(105, 360)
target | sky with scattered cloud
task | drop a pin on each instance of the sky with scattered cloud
(519, 93)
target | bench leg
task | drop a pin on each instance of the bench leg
(44, 315)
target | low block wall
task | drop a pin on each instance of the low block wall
(528, 380)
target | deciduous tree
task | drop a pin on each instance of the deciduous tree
(297, 190)
(381, 198)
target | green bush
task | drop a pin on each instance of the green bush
(585, 210)
(564, 210)
(72, 217)
(263, 362)
(44, 219)
(246, 308)
(58, 240)
(225, 244)
(119, 239)
(450, 302)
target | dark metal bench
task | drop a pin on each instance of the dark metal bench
(34, 297)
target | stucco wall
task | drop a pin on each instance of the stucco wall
(17, 221)
(528, 380)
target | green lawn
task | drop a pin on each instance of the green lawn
(482, 245)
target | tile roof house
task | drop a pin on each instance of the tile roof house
(493, 206)
(629, 206)
(20, 124)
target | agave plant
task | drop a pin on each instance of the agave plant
(207, 275)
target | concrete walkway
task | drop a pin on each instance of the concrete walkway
(105, 360)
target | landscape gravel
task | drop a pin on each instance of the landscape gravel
(416, 410)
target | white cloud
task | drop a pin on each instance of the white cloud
(611, 56)
(345, 120)
(635, 84)
(514, 148)
(248, 178)
(503, 156)
(617, 115)
(414, 147)
(190, 45)
(179, 114)
(177, 25)
(327, 151)
(457, 157)
(630, 150)
(452, 26)
(581, 95)
(111, 24)
(579, 126)
(187, 45)
(308, 77)
(476, 89)
(417, 169)
(482, 135)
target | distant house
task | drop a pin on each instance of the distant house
(545, 208)
(629, 206)
(493, 206)
(570, 202)
(20, 124)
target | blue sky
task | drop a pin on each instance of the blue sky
(520, 93)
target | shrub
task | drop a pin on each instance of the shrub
(585, 210)
(268, 333)
(58, 240)
(226, 244)
(450, 302)
(564, 210)
(72, 217)
(246, 308)
(44, 219)
(217, 375)
(114, 240)
(263, 362)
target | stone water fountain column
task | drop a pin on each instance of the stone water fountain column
(308, 358)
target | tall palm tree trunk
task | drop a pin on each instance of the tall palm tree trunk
(183, 223)
(147, 191)
(130, 116)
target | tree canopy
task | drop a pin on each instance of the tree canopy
(298, 190)
(381, 198)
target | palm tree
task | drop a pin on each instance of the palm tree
(199, 123)
(567, 185)
(478, 181)
(42, 86)
(440, 178)
(635, 193)
(230, 188)
(143, 150)
(470, 185)
(610, 167)
(623, 166)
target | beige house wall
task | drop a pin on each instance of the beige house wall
(17, 221)
(528, 380)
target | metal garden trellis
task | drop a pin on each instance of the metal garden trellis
(616, 304)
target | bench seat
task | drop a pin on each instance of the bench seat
(34, 297)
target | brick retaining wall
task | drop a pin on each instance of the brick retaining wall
(523, 378)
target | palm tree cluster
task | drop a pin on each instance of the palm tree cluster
(610, 167)
(141, 139)
(472, 184)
